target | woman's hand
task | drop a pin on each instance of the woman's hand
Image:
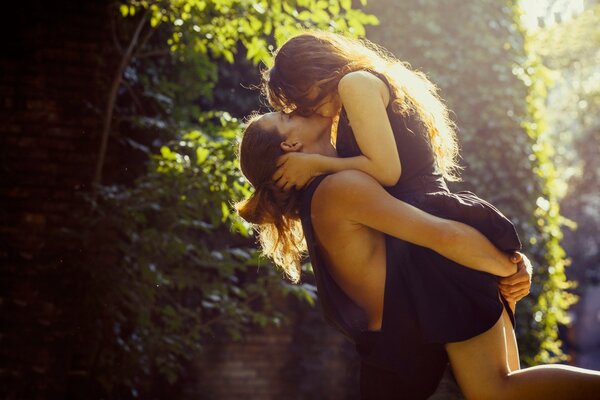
(517, 286)
(295, 169)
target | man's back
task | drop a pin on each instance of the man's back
(355, 254)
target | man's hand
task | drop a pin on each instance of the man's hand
(295, 169)
(517, 286)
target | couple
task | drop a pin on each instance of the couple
(353, 167)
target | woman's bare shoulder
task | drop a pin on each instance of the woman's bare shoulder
(360, 77)
(362, 83)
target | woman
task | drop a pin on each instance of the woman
(343, 216)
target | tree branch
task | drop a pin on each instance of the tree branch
(110, 103)
(154, 53)
(136, 100)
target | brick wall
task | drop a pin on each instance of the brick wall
(303, 359)
(53, 67)
(52, 83)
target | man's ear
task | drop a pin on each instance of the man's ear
(290, 147)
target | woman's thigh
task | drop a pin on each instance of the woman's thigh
(480, 363)
(511, 343)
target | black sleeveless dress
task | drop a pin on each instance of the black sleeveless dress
(429, 300)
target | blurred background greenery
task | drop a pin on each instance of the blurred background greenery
(163, 268)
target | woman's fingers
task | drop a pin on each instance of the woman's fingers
(516, 296)
(287, 186)
(284, 184)
(281, 160)
(518, 285)
(277, 175)
(512, 289)
(279, 179)
(516, 257)
(282, 181)
(520, 275)
(521, 294)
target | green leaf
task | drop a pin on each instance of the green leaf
(201, 155)
(225, 212)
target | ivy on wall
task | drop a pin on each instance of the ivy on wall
(570, 50)
(479, 55)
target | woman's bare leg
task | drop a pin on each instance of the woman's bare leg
(482, 372)
(514, 362)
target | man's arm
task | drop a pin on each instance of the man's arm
(357, 197)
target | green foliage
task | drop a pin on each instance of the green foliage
(215, 27)
(570, 42)
(570, 51)
(552, 299)
(567, 136)
(182, 276)
(184, 270)
(476, 52)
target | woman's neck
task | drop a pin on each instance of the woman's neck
(325, 148)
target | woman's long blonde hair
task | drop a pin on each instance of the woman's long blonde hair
(323, 58)
(274, 213)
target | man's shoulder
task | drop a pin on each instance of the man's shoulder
(339, 189)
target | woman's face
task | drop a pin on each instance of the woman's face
(295, 128)
(329, 106)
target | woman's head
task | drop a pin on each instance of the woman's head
(273, 211)
(308, 67)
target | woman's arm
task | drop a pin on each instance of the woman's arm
(365, 98)
(358, 198)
